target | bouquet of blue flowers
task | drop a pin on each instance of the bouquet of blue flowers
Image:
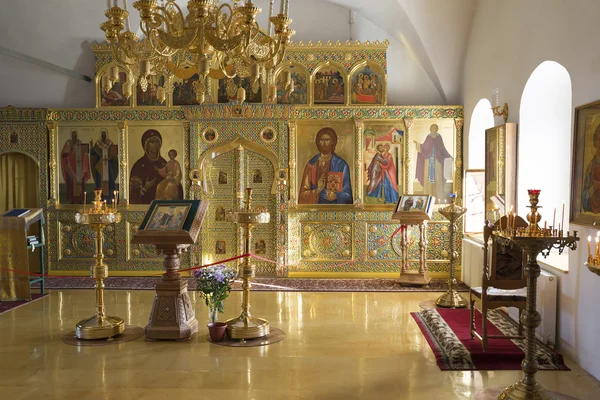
(214, 285)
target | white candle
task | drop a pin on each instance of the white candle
(562, 218)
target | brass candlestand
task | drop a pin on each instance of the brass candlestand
(533, 240)
(451, 299)
(246, 326)
(100, 326)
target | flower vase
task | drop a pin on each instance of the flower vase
(216, 331)
(213, 313)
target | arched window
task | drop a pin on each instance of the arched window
(545, 143)
(482, 118)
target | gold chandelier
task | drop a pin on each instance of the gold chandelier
(222, 40)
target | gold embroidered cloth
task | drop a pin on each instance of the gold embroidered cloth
(14, 256)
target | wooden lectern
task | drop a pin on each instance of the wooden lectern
(16, 246)
(172, 226)
(414, 209)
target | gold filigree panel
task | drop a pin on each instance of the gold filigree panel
(327, 241)
(77, 242)
(139, 251)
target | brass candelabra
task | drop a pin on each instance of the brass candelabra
(100, 326)
(247, 326)
(533, 240)
(451, 299)
(593, 258)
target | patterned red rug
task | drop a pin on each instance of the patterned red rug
(447, 332)
(9, 305)
(263, 284)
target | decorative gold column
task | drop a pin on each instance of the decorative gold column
(293, 129)
(451, 298)
(359, 125)
(123, 174)
(409, 174)
(246, 326)
(52, 141)
(100, 326)
(458, 159)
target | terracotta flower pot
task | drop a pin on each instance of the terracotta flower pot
(216, 330)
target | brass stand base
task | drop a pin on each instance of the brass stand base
(172, 316)
(91, 328)
(247, 327)
(520, 391)
(451, 299)
(414, 278)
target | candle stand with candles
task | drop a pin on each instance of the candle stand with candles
(533, 240)
(593, 258)
(247, 326)
(451, 299)
(100, 326)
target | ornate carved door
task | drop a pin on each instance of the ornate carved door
(227, 175)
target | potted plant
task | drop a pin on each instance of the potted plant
(214, 285)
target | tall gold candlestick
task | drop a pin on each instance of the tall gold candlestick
(247, 326)
(100, 326)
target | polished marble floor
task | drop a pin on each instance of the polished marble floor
(338, 346)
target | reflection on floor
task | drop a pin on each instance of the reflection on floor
(338, 346)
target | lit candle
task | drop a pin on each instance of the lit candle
(562, 218)
(597, 249)
(84, 200)
(589, 247)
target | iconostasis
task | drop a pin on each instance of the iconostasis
(335, 120)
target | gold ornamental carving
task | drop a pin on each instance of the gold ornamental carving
(409, 172)
(123, 181)
(53, 141)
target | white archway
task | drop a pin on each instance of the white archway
(482, 118)
(545, 141)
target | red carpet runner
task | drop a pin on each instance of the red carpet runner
(9, 305)
(447, 332)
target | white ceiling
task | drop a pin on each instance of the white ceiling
(434, 33)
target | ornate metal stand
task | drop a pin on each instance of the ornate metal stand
(533, 240)
(246, 326)
(100, 326)
(451, 299)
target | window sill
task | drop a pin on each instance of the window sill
(555, 263)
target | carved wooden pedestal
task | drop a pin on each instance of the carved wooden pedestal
(420, 277)
(172, 316)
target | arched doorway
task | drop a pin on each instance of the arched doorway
(19, 181)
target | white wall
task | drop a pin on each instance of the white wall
(408, 82)
(508, 40)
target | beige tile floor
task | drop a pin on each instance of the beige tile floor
(338, 346)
